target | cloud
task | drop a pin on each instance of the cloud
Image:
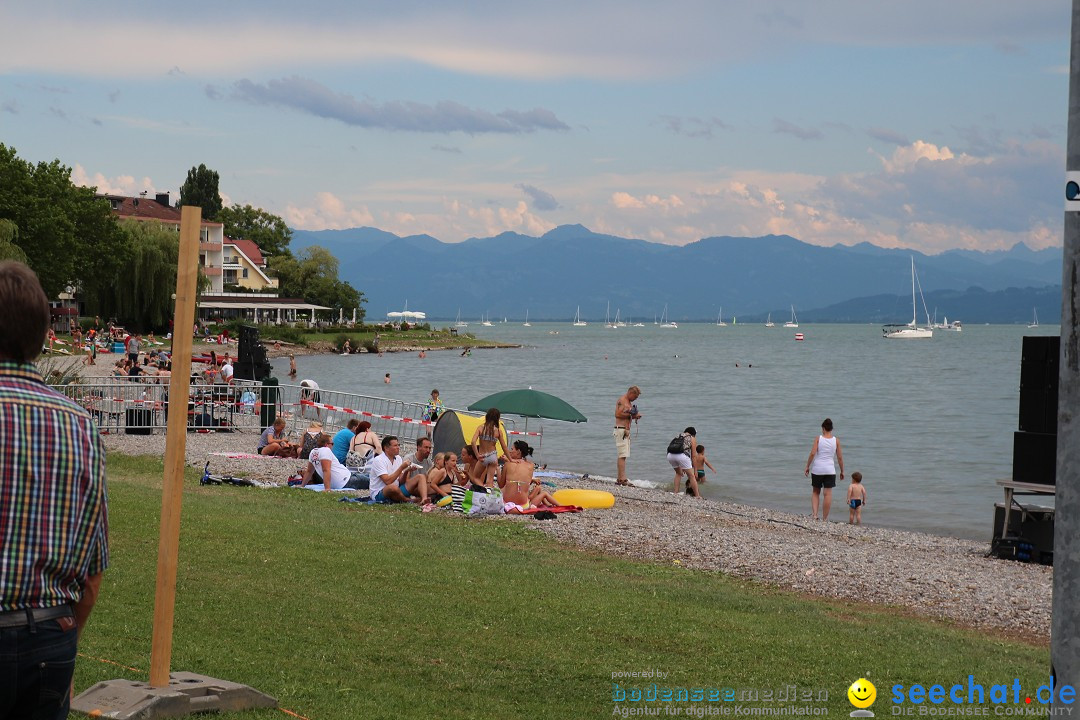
(58, 113)
(329, 212)
(175, 71)
(213, 92)
(446, 149)
(1006, 47)
(10, 106)
(626, 201)
(120, 185)
(541, 200)
(783, 126)
(445, 116)
(888, 136)
(693, 127)
(114, 96)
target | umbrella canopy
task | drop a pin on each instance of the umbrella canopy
(393, 314)
(414, 314)
(530, 403)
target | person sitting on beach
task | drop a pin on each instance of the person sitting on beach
(683, 461)
(485, 442)
(365, 445)
(387, 473)
(856, 498)
(164, 372)
(700, 463)
(273, 441)
(440, 479)
(343, 440)
(421, 465)
(465, 474)
(310, 439)
(226, 371)
(520, 489)
(324, 467)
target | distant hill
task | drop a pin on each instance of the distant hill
(572, 266)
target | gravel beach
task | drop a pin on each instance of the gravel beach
(933, 576)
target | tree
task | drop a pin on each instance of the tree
(9, 250)
(65, 232)
(313, 275)
(201, 188)
(141, 296)
(266, 230)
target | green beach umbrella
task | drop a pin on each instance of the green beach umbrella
(529, 403)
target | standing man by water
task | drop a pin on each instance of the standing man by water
(52, 510)
(625, 411)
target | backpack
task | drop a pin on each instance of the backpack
(675, 447)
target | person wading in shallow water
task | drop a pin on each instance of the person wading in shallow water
(820, 468)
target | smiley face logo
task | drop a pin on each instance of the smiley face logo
(862, 693)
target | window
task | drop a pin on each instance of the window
(245, 274)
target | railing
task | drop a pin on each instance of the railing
(135, 407)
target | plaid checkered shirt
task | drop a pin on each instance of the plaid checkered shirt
(53, 518)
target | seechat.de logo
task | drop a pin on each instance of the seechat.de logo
(862, 695)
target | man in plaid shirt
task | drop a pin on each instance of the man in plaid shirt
(53, 524)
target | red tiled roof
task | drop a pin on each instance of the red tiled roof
(249, 248)
(146, 208)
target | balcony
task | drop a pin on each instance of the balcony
(205, 246)
(211, 271)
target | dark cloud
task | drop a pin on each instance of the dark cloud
(97, 121)
(446, 116)
(213, 93)
(175, 70)
(10, 106)
(783, 126)
(55, 90)
(693, 127)
(114, 96)
(982, 141)
(541, 200)
(888, 136)
(447, 149)
(58, 113)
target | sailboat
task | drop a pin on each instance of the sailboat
(664, 321)
(458, 322)
(720, 318)
(911, 330)
(1034, 318)
(578, 322)
(607, 316)
(634, 324)
(486, 322)
(526, 323)
(769, 322)
(794, 322)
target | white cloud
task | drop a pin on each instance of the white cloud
(120, 185)
(626, 201)
(328, 212)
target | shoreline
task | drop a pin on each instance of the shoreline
(931, 576)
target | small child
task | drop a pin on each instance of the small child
(856, 498)
(699, 465)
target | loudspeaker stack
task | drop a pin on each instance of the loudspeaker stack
(1035, 444)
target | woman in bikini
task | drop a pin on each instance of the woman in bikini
(364, 441)
(485, 442)
(439, 479)
(520, 490)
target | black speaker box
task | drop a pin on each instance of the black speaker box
(139, 421)
(1030, 534)
(1035, 458)
(1039, 384)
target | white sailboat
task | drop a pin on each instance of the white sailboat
(911, 330)
(769, 322)
(607, 316)
(794, 322)
(638, 324)
(458, 322)
(526, 323)
(578, 322)
(664, 321)
(1034, 318)
(618, 323)
(485, 321)
(720, 318)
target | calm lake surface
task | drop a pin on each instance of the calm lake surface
(929, 423)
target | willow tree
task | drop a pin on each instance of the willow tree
(141, 296)
(9, 249)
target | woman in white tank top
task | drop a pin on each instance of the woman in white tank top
(821, 469)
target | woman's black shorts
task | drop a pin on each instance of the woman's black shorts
(823, 481)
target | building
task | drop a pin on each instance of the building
(225, 262)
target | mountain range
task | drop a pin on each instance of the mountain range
(750, 277)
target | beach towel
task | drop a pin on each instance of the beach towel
(552, 509)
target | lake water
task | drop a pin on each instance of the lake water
(929, 423)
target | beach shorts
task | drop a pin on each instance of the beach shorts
(855, 503)
(489, 458)
(823, 481)
(380, 498)
(514, 506)
(622, 441)
(679, 461)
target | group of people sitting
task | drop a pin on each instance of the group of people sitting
(417, 477)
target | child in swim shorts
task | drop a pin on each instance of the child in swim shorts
(856, 499)
(700, 462)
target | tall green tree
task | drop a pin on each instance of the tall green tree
(266, 230)
(313, 275)
(141, 295)
(201, 188)
(8, 249)
(66, 232)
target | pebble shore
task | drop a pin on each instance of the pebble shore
(938, 577)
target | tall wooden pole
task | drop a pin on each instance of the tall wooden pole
(172, 492)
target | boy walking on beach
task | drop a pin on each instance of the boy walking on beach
(700, 463)
(856, 499)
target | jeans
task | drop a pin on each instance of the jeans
(37, 665)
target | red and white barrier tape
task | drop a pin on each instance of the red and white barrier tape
(411, 421)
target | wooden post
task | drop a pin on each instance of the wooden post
(172, 492)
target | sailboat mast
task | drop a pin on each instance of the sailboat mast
(913, 315)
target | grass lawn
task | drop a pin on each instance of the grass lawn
(347, 611)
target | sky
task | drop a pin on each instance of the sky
(926, 125)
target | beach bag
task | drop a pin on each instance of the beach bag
(478, 503)
(675, 447)
(457, 498)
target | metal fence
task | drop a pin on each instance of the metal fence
(119, 405)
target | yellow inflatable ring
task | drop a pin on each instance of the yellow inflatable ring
(588, 499)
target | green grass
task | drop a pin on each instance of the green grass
(348, 611)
